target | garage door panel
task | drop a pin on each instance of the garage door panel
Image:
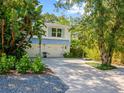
(54, 50)
(34, 50)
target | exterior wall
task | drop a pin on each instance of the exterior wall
(54, 46)
(66, 33)
(53, 50)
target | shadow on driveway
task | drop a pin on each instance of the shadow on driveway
(82, 78)
(32, 84)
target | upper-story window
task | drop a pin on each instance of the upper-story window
(56, 32)
(53, 32)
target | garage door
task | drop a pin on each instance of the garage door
(54, 50)
(33, 51)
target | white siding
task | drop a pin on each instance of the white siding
(65, 32)
(52, 50)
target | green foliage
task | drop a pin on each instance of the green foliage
(118, 58)
(4, 65)
(37, 66)
(74, 53)
(105, 67)
(23, 65)
(7, 63)
(19, 21)
(101, 66)
(104, 20)
(68, 55)
(50, 18)
(56, 19)
(122, 57)
(76, 50)
(11, 61)
(63, 20)
(92, 53)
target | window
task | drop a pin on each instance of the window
(53, 32)
(59, 32)
(56, 32)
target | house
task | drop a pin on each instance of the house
(55, 42)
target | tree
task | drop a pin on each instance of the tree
(17, 21)
(105, 19)
(63, 20)
(51, 18)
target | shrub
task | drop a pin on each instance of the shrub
(11, 61)
(76, 50)
(68, 55)
(92, 53)
(4, 66)
(118, 58)
(37, 66)
(23, 65)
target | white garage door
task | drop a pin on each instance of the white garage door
(53, 50)
(34, 50)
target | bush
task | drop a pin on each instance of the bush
(118, 58)
(76, 50)
(23, 65)
(68, 55)
(74, 53)
(92, 53)
(4, 65)
(11, 61)
(37, 66)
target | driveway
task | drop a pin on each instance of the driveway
(82, 78)
(31, 84)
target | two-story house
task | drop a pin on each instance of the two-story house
(55, 42)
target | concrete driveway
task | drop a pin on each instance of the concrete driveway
(82, 78)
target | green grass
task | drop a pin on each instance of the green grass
(101, 66)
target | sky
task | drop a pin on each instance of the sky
(48, 7)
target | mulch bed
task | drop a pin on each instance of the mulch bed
(45, 72)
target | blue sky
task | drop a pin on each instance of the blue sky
(48, 7)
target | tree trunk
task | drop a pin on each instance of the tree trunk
(106, 56)
(110, 54)
(107, 48)
(103, 54)
(2, 35)
(102, 47)
(13, 39)
(112, 41)
(39, 46)
(13, 36)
